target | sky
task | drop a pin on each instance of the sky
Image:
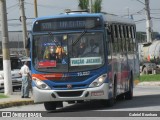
(54, 7)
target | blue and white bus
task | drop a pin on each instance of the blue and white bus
(83, 57)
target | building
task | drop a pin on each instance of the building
(15, 42)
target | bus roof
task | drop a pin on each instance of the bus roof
(66, 15)
(117, 19)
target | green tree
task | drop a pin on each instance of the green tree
(83, 4)
(96, 5)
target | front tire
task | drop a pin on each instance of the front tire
(110, 102)
(50, 106)
(145, 71)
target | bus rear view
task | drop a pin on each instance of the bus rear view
(70, 61)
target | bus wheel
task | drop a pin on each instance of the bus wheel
(144, 71)
(129, 94)
(49, 106)
(120, 97)
(110, 102)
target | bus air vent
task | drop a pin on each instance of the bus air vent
(70, 93)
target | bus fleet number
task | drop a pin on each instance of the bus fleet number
(83, 73)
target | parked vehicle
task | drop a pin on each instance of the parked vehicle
(15, 67)
(149, 55)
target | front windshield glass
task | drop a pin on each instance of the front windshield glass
(68, 52)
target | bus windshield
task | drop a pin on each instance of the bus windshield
(68, 52)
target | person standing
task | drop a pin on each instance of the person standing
(24, 71)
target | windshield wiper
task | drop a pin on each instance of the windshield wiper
(79, 37)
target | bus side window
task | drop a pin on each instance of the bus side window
(112, 34)
(128, 38)
(125, 36)
(133, 38)
(113, 37)
(116, 36)
(109, 39)
(119, 38)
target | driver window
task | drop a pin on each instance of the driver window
(93, 47)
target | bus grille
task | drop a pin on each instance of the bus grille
(70, 94)
(64, 86)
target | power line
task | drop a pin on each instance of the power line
(140, 20)
(12, 8)
(135, 13)
(45, 6)
(155, 13)
(18, 19)
(155, 18)
(15, 5)
(141, 2)
(154, 9)
(18, 24)
(139, 12)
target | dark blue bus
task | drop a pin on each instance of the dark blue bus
(82, 57)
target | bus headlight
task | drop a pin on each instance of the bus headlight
(40, 84)
(99, 81)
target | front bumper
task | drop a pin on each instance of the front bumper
(96, 93)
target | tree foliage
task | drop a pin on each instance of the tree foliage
(96, 5)
(83, 4)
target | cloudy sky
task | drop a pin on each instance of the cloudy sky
(53, 7)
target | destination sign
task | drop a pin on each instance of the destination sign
(67, 24)
(85, 61)
(62, 25)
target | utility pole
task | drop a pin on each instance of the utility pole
(23, 20)
(5, 50)
(148, 22)
(90, 6)
(35, 9)
(128, 12)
